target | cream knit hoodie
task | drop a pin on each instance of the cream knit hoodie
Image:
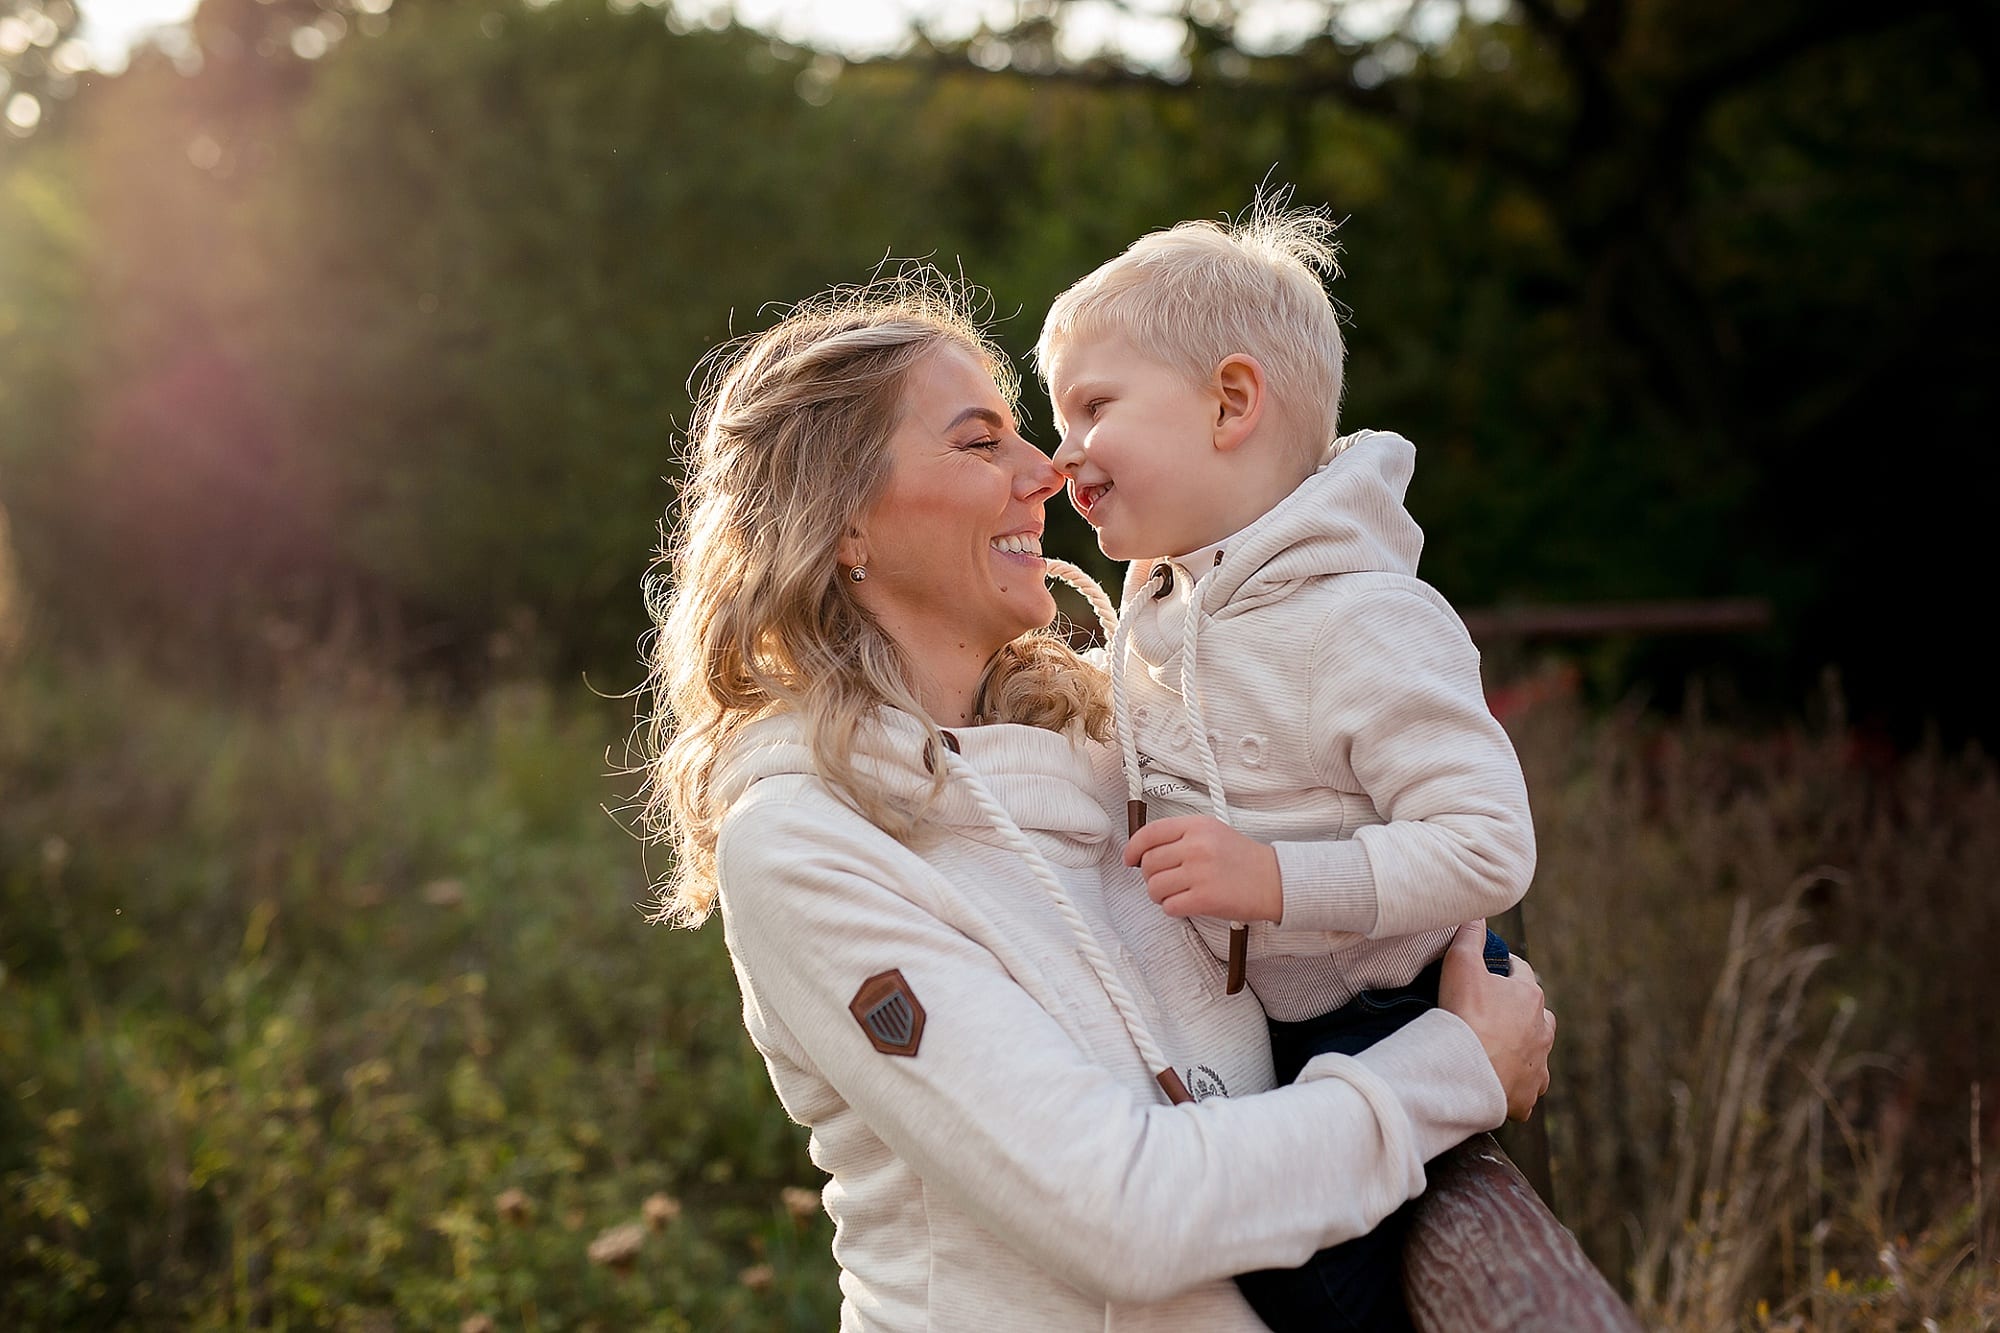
(1022, 1169)
(1302, 684)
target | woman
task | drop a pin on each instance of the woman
(868, 743)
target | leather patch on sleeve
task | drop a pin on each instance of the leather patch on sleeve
(887, 1010)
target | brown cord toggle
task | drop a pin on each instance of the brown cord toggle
(1135, 817)
(1239, 954)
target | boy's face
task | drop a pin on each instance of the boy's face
(1137, 447)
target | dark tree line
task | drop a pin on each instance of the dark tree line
(390, 326)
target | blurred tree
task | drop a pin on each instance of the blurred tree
(394, 309)
(518, 231)
(39, 62)
(1630, 320)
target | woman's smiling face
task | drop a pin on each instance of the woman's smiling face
(953, 546)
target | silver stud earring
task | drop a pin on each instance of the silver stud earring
(858, 574)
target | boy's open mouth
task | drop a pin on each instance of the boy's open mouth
(1085, 498)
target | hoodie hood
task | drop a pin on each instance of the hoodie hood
(1042, 779)
(1346, 518)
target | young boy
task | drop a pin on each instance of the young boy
(1303, 717)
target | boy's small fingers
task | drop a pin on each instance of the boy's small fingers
(1156, 834)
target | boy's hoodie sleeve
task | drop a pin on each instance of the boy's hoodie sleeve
(1397, 710)
(1003, 1112)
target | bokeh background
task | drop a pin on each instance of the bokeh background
(343, 347)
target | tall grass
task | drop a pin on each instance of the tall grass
(297, 991)
(334, 1008)
(1772, 958)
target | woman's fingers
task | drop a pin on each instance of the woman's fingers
(1507, 1013)
(1538, 1064)
(1469, 942)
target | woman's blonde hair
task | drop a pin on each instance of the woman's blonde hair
(789, 444)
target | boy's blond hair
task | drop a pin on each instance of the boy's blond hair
(1201, 291)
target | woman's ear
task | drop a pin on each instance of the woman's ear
(853, 548)
(1238, 386)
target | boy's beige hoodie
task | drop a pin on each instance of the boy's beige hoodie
(1022, 1170)
(1340, 706)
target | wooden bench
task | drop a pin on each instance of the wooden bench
(1485, 1255)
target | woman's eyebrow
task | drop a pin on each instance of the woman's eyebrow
(985, 414)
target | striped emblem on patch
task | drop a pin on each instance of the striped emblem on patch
(887, 1010)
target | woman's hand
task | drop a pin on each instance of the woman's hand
(1507, 1013)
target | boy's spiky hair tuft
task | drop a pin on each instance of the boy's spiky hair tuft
(1198, 292)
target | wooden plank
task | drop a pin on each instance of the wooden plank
(1484, 1256)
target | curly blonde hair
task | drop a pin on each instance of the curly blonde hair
(789, 444)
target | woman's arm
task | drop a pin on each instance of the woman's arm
(1002, 1112)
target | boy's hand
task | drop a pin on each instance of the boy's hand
(1196, 865)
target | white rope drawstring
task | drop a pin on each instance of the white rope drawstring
(1086, 940)
(1115, 629)
(1211, 774)
(1128, 740)
(1211, 771)
(1100, 601)
(1121, 715)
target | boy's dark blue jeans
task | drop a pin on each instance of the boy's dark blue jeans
(1356, 1286)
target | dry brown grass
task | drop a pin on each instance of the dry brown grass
(1771, 959)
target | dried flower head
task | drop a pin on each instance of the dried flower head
(515, 1206)
(801, 1204)
(661, 1209)
(444, 893)
(618, 1248)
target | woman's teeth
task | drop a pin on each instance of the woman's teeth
(1021, 543)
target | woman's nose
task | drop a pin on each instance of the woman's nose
(1037, 478)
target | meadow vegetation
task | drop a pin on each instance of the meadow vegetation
(334, 1007)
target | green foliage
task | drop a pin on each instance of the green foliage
(296, 999)
(338, 1007)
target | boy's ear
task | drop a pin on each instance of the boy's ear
(1238, 386)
